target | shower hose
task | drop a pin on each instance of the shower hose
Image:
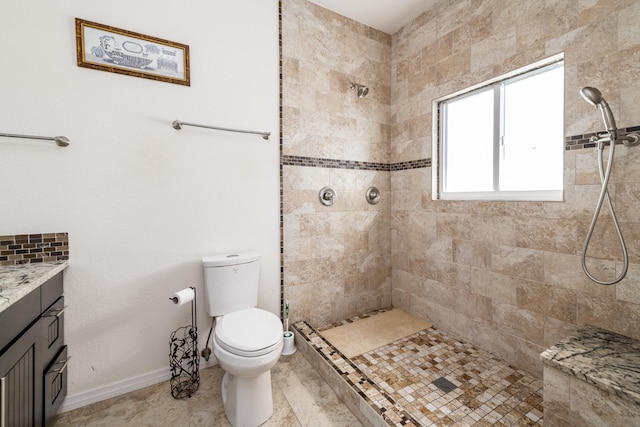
(604, 194)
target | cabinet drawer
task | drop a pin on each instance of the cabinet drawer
(55, 385)
(53, 330)
(51, 290)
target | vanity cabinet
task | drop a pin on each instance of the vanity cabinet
(33, 357)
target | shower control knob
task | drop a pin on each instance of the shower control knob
(327, 196)
(373, 195)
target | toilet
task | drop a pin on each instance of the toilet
(247, 342)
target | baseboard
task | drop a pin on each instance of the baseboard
(98, 394)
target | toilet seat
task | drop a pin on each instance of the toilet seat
(250, 332)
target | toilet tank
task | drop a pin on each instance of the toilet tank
(231, 282)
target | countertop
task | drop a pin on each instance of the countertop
(17, 281)
(603, 358)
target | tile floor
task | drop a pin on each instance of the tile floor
(425, 379)
(441, 381)
(301, 398)
(432, 379)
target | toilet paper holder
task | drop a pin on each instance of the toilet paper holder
(184, 359)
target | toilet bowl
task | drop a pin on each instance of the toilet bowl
(247, 344)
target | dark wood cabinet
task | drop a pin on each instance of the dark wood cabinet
(33, 358)
(20, 389)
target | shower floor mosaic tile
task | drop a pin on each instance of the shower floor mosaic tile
(432, 379)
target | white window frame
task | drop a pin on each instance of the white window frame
(437, 151)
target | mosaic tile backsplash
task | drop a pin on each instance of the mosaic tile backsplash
(34, 248)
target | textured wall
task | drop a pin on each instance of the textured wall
(506, 276)
(336, 259)
(142, 202)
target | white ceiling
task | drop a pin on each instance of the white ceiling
(385, 15)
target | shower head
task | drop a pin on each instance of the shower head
(594, 97)
(362, 90)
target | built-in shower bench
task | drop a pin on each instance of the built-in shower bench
(592, 378)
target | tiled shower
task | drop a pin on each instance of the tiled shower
(337, 259)
(504, 276)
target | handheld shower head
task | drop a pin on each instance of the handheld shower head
(594, 97)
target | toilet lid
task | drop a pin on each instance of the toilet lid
(251, 331)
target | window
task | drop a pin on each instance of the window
(503, 139)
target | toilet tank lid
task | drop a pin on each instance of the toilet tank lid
(230, 259)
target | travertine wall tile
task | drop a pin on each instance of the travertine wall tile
(494, 50)
(504, 275)
(311, 270)
(570, 401)
(499, 287)
(495, 229)
(518, 322)
(454, 274)
(548, 300)
(471, 253)
(628, 290)
(565, 271)
(517, 262)
(336, 259)
(556, 330)
(454, 225)
(324, 53)
(549, 234)
(557, 410)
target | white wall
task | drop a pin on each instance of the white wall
(141, 201)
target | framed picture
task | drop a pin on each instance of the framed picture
(106, 48)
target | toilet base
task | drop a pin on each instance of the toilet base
(248, 401)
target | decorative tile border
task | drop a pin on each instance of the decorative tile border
(577, 142)
(34, 248)
(574, 142)
(280, 126)
(353, 319)
(333, 163)
(353, 164)
(413, 164)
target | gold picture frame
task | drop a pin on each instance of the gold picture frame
(106, 48)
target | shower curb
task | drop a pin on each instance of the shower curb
(339, 372)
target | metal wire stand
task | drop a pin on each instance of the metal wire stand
(184, 359)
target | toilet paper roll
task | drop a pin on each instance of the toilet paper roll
(182, 297)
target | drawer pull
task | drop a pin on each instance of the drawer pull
(3, 402)
(64, 366)
(56, 313)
